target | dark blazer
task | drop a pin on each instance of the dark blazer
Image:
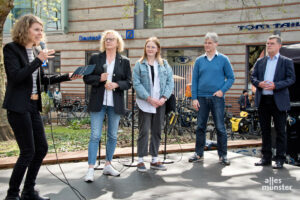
(283, 78)
(19, 78)
(121, 75)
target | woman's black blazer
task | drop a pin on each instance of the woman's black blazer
(121, 75)
(19, 78)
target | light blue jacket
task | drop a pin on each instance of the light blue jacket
(141, 80)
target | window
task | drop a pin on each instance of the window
(21, 8)
(53, 68)
(253, 53)
(182, 63)
(87, 90)
(149, 14)
(52, 12)
(54, 64)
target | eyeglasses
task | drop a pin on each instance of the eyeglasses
(109, 39)
(270, 43)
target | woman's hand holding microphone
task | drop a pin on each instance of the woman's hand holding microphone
(108, 85)
(45, 54)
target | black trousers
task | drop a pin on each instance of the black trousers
(268, 108)
(150, 122)
(30, 135)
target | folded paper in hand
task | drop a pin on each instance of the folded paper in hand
(84, 70)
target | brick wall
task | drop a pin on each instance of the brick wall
(233, 100)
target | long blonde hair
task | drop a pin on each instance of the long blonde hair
(157, 56)
(20, 29)
(120, 41)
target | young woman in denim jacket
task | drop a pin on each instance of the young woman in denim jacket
(153, 82)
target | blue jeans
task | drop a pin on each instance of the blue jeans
(97, 119)
(216, 106)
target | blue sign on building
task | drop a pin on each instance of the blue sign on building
(129, 34)
(89, 38)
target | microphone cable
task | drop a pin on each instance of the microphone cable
(79, 195)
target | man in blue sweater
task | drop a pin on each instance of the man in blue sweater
(212, 77)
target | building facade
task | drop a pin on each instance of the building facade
(243, 27)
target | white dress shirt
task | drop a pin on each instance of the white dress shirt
(108, 94)
(155, 91)
(210, 59)
(270, 72)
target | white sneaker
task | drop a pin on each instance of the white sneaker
(89, 177)
(109, 170)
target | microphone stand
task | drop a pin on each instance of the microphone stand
(98, 166)
(132, 163)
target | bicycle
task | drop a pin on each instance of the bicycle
(66, 111)
(187, 118)
(126, 119)
(227, 122)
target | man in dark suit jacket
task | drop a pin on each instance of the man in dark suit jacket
(272, 76)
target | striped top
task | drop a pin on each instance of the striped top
(35, 73)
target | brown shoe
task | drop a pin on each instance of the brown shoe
(141, 167)
(158, 166)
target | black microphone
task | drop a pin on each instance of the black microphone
(105, 68)
(105, 71)
(43, 45)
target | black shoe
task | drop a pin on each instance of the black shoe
(224, 161)
(196, 158)
(278, 165)
(32, 196)
(263, 162)
(12, 198)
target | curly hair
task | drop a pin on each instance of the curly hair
(20, 29)
(120, 41)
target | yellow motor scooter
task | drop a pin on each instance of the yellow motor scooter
(240, 124)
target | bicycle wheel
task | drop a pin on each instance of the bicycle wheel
(229, 132)
(127, 119)
(192, 131)
(177, 127)
(84, 115)
(65, 116)
(212, 134)
(136, 119)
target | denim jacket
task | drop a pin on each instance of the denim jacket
(141, 80)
